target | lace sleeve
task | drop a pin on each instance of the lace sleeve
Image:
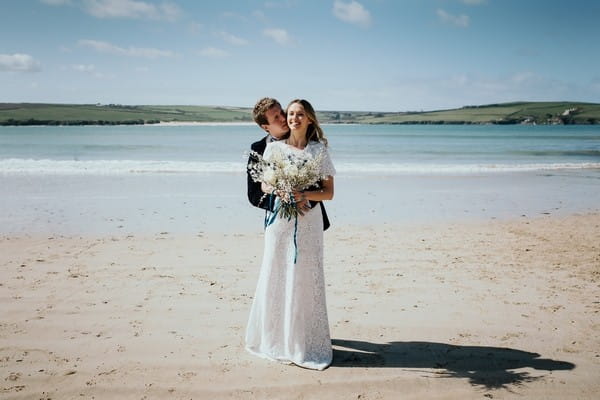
(327, 167)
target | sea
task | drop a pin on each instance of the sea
(356, 149)
(191, 178)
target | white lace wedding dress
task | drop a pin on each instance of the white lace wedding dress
(288, 320)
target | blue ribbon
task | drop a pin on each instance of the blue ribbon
(270, 218)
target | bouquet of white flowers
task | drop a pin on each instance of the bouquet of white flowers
(286, 173)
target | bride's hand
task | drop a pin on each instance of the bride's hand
(302, 203)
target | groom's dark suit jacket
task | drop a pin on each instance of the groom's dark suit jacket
(255, 193)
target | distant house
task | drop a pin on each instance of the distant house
(528, 121)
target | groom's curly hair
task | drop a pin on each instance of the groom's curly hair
(260, 109)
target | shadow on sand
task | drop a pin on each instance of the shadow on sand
(489, 367)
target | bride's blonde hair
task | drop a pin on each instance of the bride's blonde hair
(314, 131)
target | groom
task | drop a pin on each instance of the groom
(269, 115)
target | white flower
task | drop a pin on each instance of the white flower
(269, 177)
(287, 173)
(290, 170)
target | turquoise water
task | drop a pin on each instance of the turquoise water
(141, 179)
(356, 149)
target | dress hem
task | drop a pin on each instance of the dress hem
(312, 366)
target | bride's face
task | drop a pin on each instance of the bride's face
(297, 118)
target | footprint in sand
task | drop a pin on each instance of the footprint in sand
(187, 375)
(13, 376)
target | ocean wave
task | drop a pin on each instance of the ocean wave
(449, 169)
(115, 167)
(16, 166)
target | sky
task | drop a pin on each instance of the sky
(365, 55)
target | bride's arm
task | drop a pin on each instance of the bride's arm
(325, 193)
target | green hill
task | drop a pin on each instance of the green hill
(506, 113)
(90, 114)
(96, 114)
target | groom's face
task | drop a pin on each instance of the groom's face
(277, 126)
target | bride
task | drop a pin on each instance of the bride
(288, 319)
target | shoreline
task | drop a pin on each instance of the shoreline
(180, 203)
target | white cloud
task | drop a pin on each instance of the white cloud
(232, 39)
(352, 12)
(105, 47)
(18, 62)
(131, 9)
(213, 52)
(278, 35)
(461, 21)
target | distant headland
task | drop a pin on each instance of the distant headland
(540, 113)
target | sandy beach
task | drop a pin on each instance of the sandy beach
(477, 309)
(129, 257)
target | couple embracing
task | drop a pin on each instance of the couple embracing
(288, 319)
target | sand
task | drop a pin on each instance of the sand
(478, 309)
